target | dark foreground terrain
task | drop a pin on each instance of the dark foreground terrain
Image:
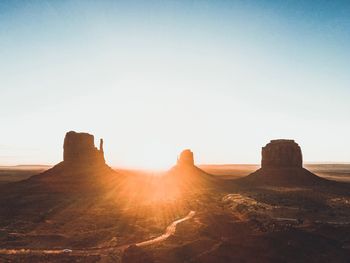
(182, 216)
(20, 172)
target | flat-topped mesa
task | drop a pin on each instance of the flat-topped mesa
(282, 165)
(186, 158)
(79, 149)
(282, 154)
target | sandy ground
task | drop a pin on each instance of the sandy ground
(229, 222)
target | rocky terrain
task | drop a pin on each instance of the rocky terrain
(81, 210)
(282, 164)
(187, 174)
(79, 149)
(186, 158)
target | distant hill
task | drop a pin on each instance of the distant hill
(25, 167)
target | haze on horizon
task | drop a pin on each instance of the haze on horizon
(220, 77)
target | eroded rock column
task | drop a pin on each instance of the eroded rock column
(282, 154)
(79, 148)
(186, 158)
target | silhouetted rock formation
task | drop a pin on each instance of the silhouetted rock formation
(185, 174)
(186, 158)
(281, 154)
(79, 149)
(282, 164)
(83, 165)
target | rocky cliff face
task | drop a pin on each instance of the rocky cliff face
(186, 158)
(282, 164)
(82, 168)
(282, 154)
(79, 148)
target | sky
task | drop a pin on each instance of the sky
(151, 78)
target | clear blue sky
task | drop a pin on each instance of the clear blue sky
(154, 77)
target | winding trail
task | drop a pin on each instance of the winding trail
(169, 231)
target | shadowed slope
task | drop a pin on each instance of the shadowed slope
(185, 167)
(282, 164)
(188, 177)
(83, 166)
(283, 176)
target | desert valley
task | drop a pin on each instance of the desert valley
(82, 210)
(174, 131)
